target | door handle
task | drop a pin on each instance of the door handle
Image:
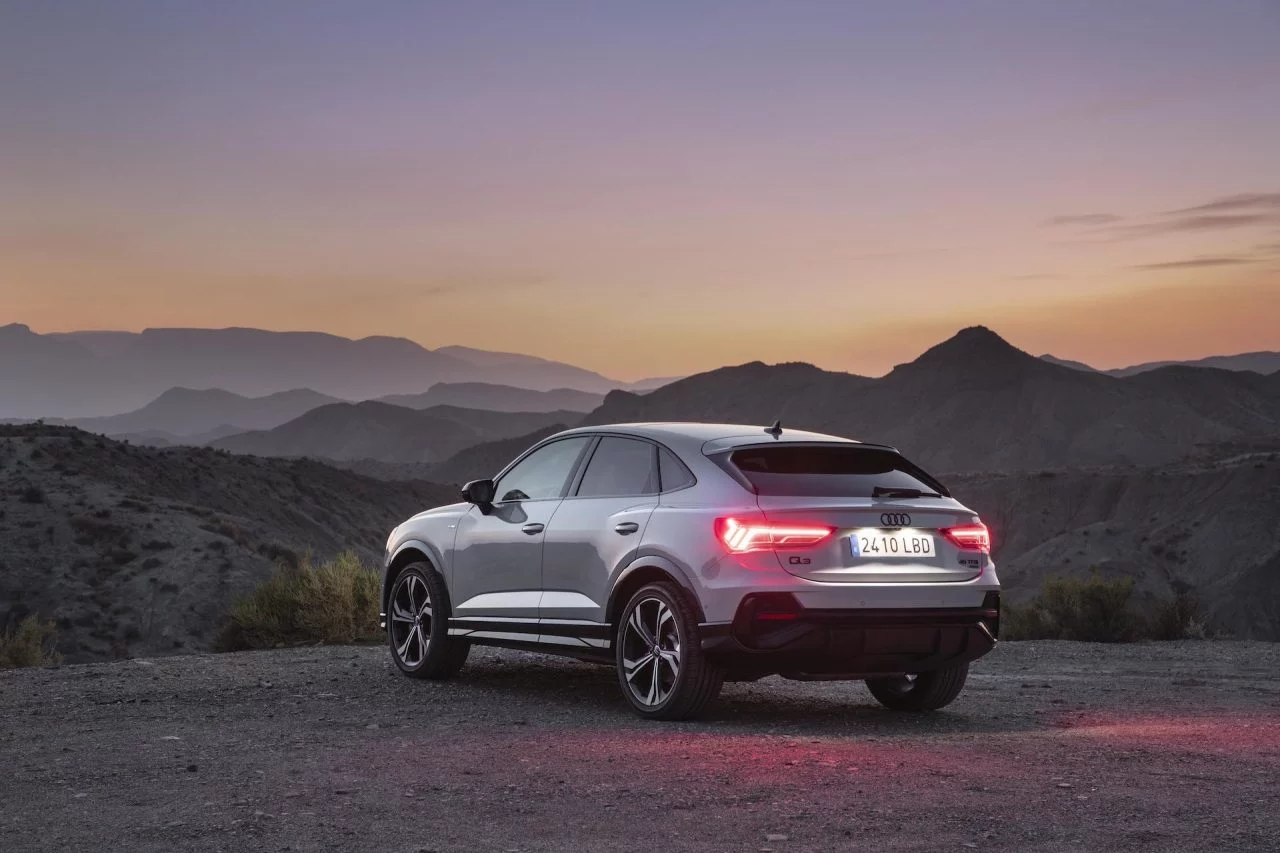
(625, 527)
(533, 528)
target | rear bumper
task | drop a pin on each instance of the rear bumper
(775, 633)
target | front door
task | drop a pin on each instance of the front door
(497, 561)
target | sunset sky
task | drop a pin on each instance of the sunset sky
(650, 188)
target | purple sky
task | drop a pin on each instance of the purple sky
(654, 188)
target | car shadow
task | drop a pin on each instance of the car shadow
(590, 693)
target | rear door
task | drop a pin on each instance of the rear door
(597, 528)
(882, 532)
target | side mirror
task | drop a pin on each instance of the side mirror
(478, 492)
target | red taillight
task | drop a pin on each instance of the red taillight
(969, 537)
(741, 536)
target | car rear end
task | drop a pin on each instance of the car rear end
(849, 561)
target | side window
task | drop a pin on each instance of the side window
(620, 467)
(674, 473)
(543, 473)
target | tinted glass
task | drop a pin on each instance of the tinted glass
(542, 474)
(829, 471)
(674, 474)
(620, 467)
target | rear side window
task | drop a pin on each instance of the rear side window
(818, 471)
(620, 467)
(673, 472)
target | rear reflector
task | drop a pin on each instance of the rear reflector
(969, 537)
(742, 536)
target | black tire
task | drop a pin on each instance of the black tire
(927, 691)
(683, 690)
(428, 651)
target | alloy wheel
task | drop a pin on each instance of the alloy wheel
(411, 620)
(651, 652)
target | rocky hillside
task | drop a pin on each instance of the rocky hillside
(1209, 526)
(976, 403)
(139, 551)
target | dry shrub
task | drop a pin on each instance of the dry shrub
(1097, 609)
(31, 643)
(333, 602)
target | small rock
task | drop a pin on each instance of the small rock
(775, 836)
(264, 683)
(373, 726)
(1064, 784)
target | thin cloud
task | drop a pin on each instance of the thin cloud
(1192, 225)
(1243, 201)
(1193, 263)
(1082, 219)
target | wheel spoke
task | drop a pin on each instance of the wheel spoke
(655, 684)
(403, 649)
(672, 660)
(631, 668)
(399, 614)
(663, 616)
(638, 625)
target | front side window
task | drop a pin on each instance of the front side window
(620, 467)
(543, 473)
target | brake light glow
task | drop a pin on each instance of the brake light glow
(743, 536)
(969, 537)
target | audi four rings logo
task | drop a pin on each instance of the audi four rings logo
(895, 519)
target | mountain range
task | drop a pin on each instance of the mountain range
(1254, 362)
(87, 374)
(386, 433)
(498, 398)
(976, 403)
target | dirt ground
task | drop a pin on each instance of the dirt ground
(1052, 747)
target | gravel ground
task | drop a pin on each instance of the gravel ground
(1052, 747)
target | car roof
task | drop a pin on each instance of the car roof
(694, 437)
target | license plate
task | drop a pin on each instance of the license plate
(876, 543)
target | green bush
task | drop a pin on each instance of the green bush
(1097, 609)
(31, 643)
(332, 602)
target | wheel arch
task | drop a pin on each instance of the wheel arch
(644, 571)
(410, 551)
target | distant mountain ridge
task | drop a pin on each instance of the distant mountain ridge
(83, 374)
(378, 431)
(189, 412)
(498, 398)
(1264, 362)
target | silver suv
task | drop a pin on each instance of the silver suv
(687, 554)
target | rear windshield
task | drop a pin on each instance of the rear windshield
(817, 471)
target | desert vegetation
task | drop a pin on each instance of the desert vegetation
(335, 601)
(30, 643)
(1100, 610)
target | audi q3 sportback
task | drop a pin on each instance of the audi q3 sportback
(688, 554)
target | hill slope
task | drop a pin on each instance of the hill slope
(976, 403)
(140, 551)
(498, 398)
(189, 412)
(385, 433)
